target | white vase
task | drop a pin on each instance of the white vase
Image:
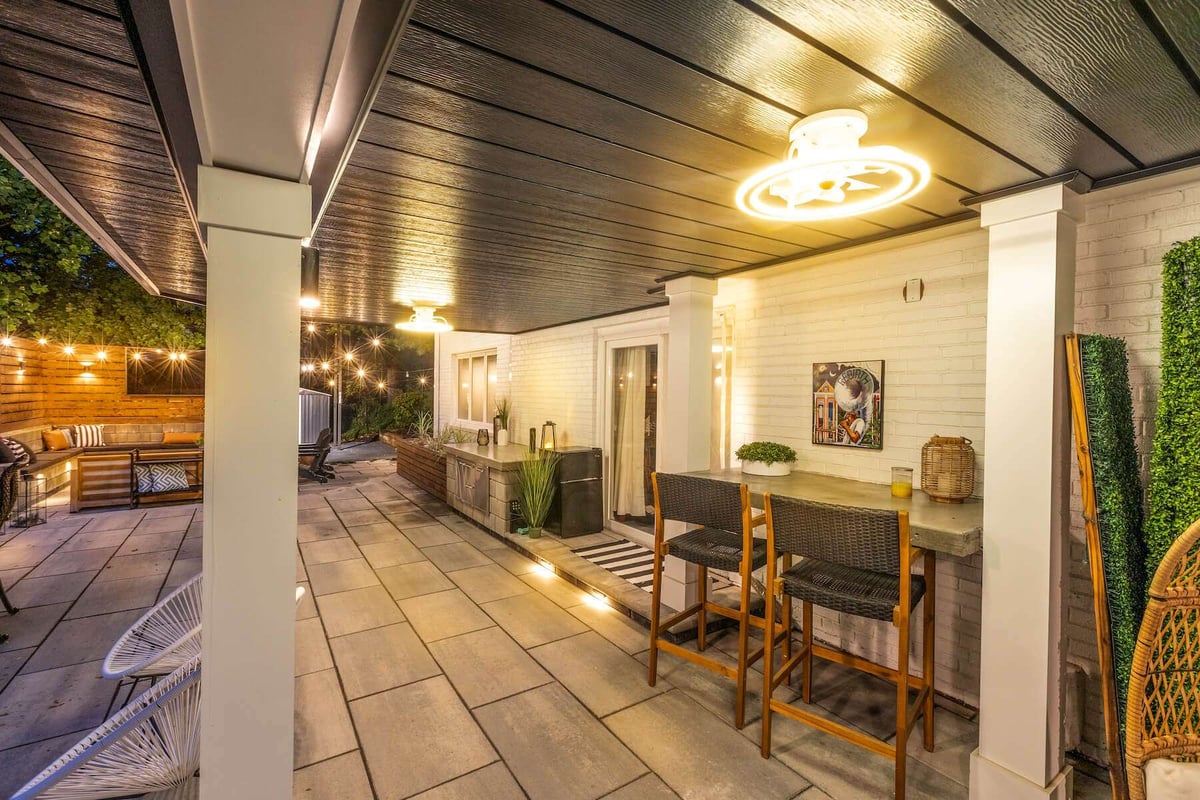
(775, 470)
(501, 437)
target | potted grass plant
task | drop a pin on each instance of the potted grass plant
(504, 412)
(766, 458)
(535, 490)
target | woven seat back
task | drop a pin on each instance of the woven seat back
(864, 538)
(8, 490)
(700, 501)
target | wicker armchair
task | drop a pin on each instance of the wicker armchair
(725, 541)
(1162, 717)
(8, 500)
(856, 561)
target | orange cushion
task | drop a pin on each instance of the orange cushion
(55, 440)
(181, 437)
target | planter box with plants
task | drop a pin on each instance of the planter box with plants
(422, 458)
(766, 458)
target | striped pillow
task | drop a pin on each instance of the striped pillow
(89, 435)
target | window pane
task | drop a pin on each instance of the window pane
(489, 410)
(478, 388)
(464, 388)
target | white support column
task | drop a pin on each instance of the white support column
(689, 406)
(250, 435)
(1031, 304)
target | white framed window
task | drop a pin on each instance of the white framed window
(476, 386)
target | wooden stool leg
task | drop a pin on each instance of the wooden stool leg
(743, 646)
(902, 706)
(928, 666)
(702, 614)
(768, 667)
(806, 681)
(785, 619)
(655, 603)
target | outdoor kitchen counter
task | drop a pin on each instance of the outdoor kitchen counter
(504, 457)
(953, 529)
(481, 482)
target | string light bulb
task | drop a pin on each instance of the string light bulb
(312, 328)
(362, 373)
(325, 366)
(382, 385)
(422, 380)
(7, 341)
(332, 382)
(43, 341)
(69, 350)
(102, 355)
(376, 341)
(136, 355)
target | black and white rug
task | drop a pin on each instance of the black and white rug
(624, 559)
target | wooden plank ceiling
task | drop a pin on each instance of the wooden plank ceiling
(532, 162)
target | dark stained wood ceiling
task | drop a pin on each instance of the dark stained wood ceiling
(533, 162)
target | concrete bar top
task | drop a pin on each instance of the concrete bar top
(506, 457)
(955, 529)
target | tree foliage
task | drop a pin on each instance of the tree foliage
(56, 282)
(1175, 457)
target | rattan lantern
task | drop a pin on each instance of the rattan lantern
(948, 469)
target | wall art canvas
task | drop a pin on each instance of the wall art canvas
(848, 404)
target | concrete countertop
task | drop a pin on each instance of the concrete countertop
(952, 528)
(504, 458)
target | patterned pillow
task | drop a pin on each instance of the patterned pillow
(21, 456)
(144, 478)
(169, 477)
(89, 435)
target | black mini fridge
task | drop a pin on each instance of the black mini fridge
(578, 506)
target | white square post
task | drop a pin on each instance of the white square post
(254, 225)
(1031, 305)
(689, 406)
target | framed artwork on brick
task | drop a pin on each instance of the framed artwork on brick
(848, 404)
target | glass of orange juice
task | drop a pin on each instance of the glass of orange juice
(902, 481)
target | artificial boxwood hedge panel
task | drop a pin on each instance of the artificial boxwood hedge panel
(1175, 456)
(1118, 488)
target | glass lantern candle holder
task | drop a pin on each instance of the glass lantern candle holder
(902, 481)
(31, 500)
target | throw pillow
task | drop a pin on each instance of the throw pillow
(1171, 780)
(21, 454)
(69, 433)
(181, 437)
(89, 436)
(55, 440)
(145, 479)
(169, 477)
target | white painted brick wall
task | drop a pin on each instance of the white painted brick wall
(1118, 285)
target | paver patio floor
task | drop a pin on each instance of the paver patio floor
(436, 663)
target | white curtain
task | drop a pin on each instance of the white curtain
(629, 478)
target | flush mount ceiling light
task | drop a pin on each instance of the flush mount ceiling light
(424, 320)
(827, 175)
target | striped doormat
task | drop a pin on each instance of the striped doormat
(624, 559)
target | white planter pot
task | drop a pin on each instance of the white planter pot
(501, 437)
(776, 470)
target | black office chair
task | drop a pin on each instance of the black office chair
(8, 500)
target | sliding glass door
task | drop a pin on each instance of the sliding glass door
(633, 401)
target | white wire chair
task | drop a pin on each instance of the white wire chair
(166, 637)
(150, 746)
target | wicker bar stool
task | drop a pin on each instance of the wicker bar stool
(725, 542)
(857, 561)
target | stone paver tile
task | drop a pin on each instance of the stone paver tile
(340, 778)
(163, 524)
(480, 539)
(381, 658)
(30, 626)
(715, 692)
(418, 736)
(312, 651)
(11, 662)
(458, 555)
(122, 595)
(308, 604)
(365, 517)
(151, 542)
(560, 591)
(75, 641)
(955, 739)
(487, 583)
(343, 505)
(137, 566)
(38, 705)
(444, 614)
(183, 570)
(412, 580)
(113, 520)
(614, 626)
(74, 561)
(493, 782)
(601, 675)
(358, 610)
(191, 548)
(547, 726)
(487, 665)
(93, 540)
(431, 535)
(647, 787)
(339, 576)
(533, 620)
(31, 592)
(374, 533)
(514, 562)
(410, 519)
(323, 727)
(325, 551)
(316, 531)
(301, 572)
(23, 763)
(319, 513)
(389, 554)
(700, 755)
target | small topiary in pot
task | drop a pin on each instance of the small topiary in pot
(766, 458)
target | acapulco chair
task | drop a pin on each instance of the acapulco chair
(166, 637)
(151, 747)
